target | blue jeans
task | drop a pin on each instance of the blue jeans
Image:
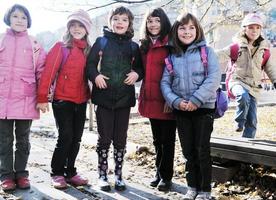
(246, 112)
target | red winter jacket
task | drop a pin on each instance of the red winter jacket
(151, 101)
(71, 84)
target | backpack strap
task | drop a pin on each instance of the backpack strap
(103, 42)
(169, 65)
(266, 56)
(234, 52)
(65, 53)
(204, 59)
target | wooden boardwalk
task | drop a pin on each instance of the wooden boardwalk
(253, 151)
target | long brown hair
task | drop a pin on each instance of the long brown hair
(183, 19)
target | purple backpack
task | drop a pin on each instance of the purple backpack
(222, 100)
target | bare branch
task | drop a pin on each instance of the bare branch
(167, 3)
(130, 2)
(206, 11)
(259, 3)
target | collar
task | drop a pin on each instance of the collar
(80, 43)
(14, 33)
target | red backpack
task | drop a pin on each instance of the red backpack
(231, 66)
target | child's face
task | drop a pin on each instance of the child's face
(253, 31)
(120, 23)
(186, 33)
(154, 25)
(19, 21)
(77, 30)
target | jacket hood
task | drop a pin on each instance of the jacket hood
(197, 45)
(109, 33)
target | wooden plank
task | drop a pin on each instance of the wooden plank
(245, 150)
(243, 156)
(263, 147)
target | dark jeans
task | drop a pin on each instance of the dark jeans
(70, 119)
(163, 132)
(13, 164)
(112, 126)
(194, 134)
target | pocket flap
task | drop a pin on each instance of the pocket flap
(28, 79)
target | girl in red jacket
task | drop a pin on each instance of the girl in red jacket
(70, 97)
(151, 102)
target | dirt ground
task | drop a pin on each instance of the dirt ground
(252, 182)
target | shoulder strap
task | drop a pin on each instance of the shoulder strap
(65, 53)
(234, 52)
(169, 65)
(204, 59)
(266, 56)
(103, 42)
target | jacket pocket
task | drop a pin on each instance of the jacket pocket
(198, 77)
(29, 86)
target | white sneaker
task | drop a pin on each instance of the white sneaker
(191, 194)
(103, 184)
(203, 196)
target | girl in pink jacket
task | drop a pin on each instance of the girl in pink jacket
(21, 62)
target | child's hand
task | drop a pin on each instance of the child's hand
(131, 78)
(43, 107)
(183, 105)
(190, 106)
(100, 81)
(167, 108)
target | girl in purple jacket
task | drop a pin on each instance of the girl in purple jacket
(21, 63)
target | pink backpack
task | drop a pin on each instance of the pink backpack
(231, 66)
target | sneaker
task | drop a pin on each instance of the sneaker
(103, 184)
(77, 180)
(119, 184)
(204, 196)
(190, 194)
(155, 182)
(59, 182)
(164, 185)
(8, 185)
(23, 183)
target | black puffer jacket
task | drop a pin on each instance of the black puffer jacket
(116, 63)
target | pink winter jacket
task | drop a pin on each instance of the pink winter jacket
(21, 64)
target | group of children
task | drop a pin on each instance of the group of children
(181, 97)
